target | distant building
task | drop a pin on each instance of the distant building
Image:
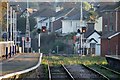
(91, 41)
(111, 30)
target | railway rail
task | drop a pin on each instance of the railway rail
(83, 72)
(59, 72)
(108, 73)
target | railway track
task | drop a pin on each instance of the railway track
(59, 72)
(108, 73)
(82, 72)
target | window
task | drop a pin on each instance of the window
(46, 24)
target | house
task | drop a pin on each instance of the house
(71, 23)
(111, 30)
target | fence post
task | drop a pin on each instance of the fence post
(13, 50)
(6, 52)
(10, 50)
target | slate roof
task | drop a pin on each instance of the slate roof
(105, 36)
(88, 33)
(93, 39)
(46, 12)
(107, 6)
(62, 12)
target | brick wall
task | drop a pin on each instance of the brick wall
(104, 47)
(114, 45)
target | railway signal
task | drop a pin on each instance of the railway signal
(44, 29)
(78, 31)
(83, 29)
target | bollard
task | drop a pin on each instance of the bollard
(10, 51)
(6, 52)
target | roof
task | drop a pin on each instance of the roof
(109, 6)
(113, 35)
(75, 14)
(46, 12)
(93, 39)
(88, 33)
(106, 35)
(62, 12)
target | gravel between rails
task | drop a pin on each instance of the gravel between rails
(58, 73)
(79, 72)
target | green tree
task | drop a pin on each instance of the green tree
(22, 24)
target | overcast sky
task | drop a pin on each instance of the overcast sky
(65, 0)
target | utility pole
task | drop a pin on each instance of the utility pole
(11, 30)
(11, 23)
(81, 18)
(7, 20)
(15, 27)
(28, 41)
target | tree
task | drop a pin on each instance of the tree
(22, 24)
(92, 15)
(3, 8)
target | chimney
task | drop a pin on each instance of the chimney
(91, 26)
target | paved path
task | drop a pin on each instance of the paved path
(18, 63)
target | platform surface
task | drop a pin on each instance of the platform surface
(113, 56)
(18, 63)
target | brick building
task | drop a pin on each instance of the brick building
(110, 40)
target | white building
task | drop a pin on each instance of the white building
(98, 24)
(93, 42)
(69, 26)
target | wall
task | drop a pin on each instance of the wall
(104, 47)
(98, 24)
(114, 44)
(69, 26)
(3, 45)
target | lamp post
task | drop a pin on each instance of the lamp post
(7, 19)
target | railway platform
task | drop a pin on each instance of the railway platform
(22, 63)
(113, 60)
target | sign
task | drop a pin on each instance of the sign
(28, 42)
